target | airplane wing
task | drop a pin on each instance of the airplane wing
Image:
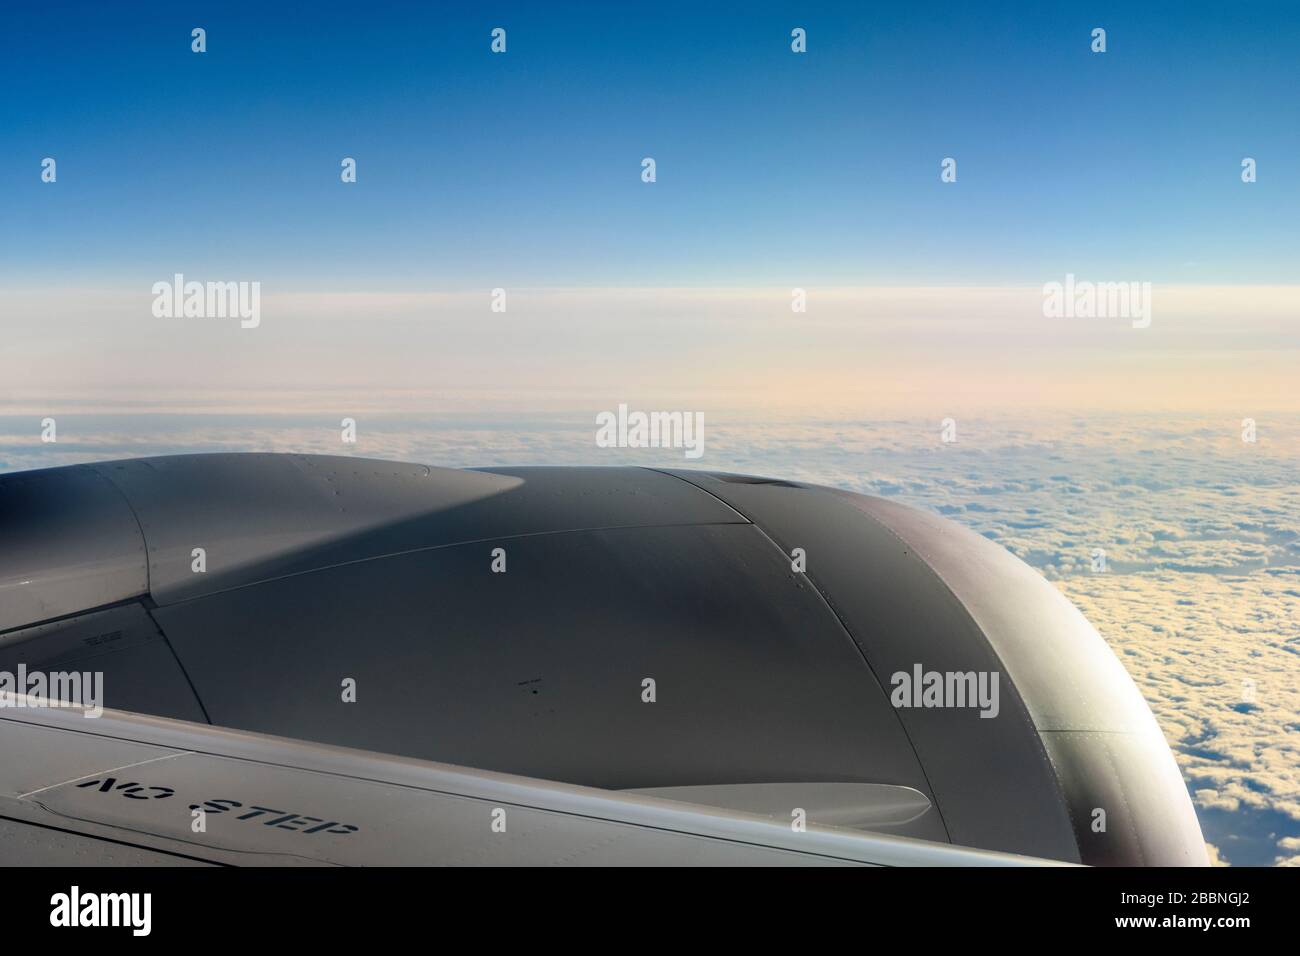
(126, 788)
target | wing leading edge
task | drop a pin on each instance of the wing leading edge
(131, 788)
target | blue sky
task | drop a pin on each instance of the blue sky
(773, 168)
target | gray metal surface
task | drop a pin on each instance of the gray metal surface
(27, 843)
(68, 541)
(883, 808)
(135, 779)
(123, 644)
(914, 588)
(769, 683)
(265, 516)
(1104, 744)
(539, 670)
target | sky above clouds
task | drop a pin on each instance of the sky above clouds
(523, 169)
(775, 171)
